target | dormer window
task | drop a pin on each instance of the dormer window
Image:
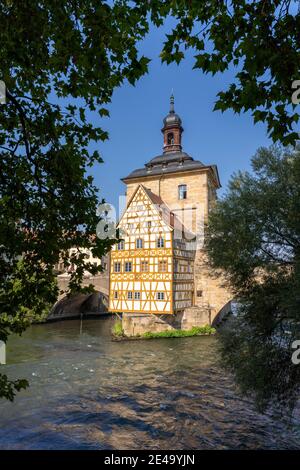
(170, 138)
(182, 191)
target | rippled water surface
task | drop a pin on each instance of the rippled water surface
(87, 392)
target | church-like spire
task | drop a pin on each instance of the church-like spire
(172, 130)
(172, 104)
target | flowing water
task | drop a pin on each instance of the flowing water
(87, 392)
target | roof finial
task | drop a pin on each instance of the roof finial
(172, 102)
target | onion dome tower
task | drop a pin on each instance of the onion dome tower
(172, 130)
(173, 160)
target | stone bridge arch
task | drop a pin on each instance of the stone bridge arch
(74, 306)
(223, 314)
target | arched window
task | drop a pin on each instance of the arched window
(170, 138)
(182, 191)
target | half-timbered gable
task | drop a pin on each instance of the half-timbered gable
(142, 267)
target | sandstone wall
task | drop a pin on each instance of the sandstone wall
(166, 187)
(137, 324)
(210, 287)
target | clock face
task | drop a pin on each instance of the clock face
(2, 92)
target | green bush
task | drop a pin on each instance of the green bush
(195, 331)
(117, 329)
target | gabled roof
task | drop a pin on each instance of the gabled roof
(156, 200)
(169, 218)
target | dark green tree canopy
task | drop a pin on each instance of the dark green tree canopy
(254, 236)
(259, 39)
(60, 61)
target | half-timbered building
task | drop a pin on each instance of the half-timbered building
(151, 271)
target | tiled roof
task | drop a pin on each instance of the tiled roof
(170, 162)
(168, 216)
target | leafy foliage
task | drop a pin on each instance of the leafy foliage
(117, 329)
(259, 39)
(254, 235)
(195, 331)
(10, 387)
(60, 62)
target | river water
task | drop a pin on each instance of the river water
(87, 392)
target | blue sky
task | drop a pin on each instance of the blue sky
(136, 113)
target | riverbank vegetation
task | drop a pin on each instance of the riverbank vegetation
(254, 236)
(117, 329)
(117, 332)
(195, 331)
